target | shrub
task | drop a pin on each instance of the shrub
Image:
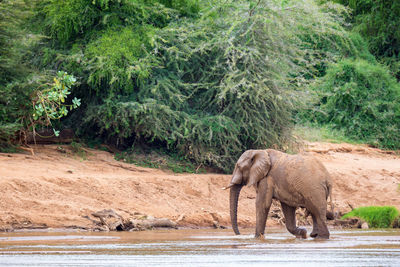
(49, 104)
(68, 20)
(361, 99)
(219, 85)
(376, 217)
(204, 82)
(32, 102)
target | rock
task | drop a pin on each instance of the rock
(364, 225)
(347, 223)
(110, 219)
(396, 223)
(216, 225)
(180, 218)
(163, 222)
(151, 223)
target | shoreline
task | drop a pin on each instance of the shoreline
(53, 189)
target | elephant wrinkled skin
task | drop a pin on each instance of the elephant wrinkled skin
(294, 180)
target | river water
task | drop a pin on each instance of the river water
(199, 248)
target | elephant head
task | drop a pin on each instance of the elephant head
(252, 166)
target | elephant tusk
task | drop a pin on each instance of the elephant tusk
(227, 187)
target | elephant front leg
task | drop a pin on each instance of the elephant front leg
(263, 204)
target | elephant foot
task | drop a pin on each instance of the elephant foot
(301, 233)
(314, 233)
(259, 236)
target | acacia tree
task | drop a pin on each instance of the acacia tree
(225, 82)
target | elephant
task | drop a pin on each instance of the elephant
(294, 180)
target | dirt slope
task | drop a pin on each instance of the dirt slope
(54, 189)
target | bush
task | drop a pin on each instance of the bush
(218, 85)
(69, 20)
(205, 81)
(32, 102)
(361, 99)
(376, 217)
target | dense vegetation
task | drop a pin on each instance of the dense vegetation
(376, 217)
(360, 96)
(201, 79)
(377, 21)
(362, 100)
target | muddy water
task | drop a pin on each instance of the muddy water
(198, 248)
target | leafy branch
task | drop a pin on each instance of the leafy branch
(49, 104)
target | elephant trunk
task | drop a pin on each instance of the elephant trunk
(233, 201)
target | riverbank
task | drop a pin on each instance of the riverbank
(57, 188)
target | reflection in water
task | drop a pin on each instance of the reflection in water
(199, 248)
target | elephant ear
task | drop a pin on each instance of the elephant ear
(260, 168)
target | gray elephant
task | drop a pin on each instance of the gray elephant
(294, 180)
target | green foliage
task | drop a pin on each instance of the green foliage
(378, 21)
(151, 122)
(376, 217)
(117, 59)
(214, 86)
(25, 104)
(18, 82)
(70, 19)
(49, 104)
(7, 134)
(12, 13)
(361, 99)
(78, 149)
(206, 81)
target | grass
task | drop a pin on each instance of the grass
(78, 150)
(318, 133)
(376, 217)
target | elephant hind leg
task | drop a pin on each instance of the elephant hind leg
(323, 231)
(320, 230)
(290, 219)
(314, 232)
